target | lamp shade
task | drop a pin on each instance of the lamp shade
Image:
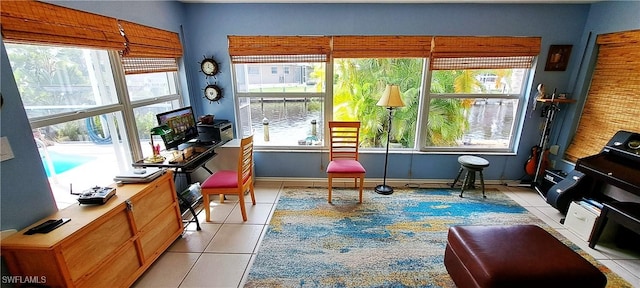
(160, 130)
(391, 97)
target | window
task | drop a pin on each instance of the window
(78, 120)
(279, 111)
(461, 93)
(274, 70)
(474, 108)
(282, 111)
(358, 87)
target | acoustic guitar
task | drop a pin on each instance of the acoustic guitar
(530, 165)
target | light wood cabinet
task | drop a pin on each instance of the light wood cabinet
(108, 245)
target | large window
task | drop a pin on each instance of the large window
(474, 109)
(281, 109)
(461, 93)
(358, 86)
(76, 107)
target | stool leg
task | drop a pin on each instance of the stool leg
(465, 182)
(482, 183)
(472, 180)
(457, 177)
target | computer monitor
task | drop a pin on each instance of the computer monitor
(183, 124)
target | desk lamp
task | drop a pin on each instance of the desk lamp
(390, 99)
(161, 130)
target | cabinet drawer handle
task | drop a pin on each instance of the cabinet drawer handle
(129, 205)
(578, 217)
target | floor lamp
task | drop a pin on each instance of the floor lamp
(390, 99)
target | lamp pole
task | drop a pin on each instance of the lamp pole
(384, 189)
(390, 99)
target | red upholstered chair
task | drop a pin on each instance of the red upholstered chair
(232, 182)
(343, 154)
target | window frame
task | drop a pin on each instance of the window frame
(124, 106)
(518, 120)
(427, 48)
(261, 95)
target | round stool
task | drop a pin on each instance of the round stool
(472, 164)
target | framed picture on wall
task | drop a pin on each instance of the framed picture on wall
(558, 57)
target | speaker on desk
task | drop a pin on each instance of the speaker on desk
(572, 187)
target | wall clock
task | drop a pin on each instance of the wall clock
(213, 93)
(209, 67)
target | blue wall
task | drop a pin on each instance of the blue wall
(26, 197)
(209, 25)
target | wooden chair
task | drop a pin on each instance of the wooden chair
(343, 154)
(232, 182)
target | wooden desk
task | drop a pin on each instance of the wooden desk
(108, 245)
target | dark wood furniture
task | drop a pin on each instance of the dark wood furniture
(626, 214)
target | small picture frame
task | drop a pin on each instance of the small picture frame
(558, 57)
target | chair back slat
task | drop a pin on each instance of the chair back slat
(345, 139)
(245, 161)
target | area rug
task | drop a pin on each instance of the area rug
(393, 240)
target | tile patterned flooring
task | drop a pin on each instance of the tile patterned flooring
(221, 254)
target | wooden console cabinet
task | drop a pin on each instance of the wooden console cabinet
(108, 245)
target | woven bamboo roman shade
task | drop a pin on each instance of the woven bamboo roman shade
(381, 46)
(483, 52)
(613, 102)
(32, 22)
(149, 42)
(278, 49)
(135, 65)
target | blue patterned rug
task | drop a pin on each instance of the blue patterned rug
(388, 241)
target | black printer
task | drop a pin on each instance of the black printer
(219, 131)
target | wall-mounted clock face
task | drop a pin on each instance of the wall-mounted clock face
(212, 93)
(209, 67)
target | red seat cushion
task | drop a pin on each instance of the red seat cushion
(345, 166)
(222, 179)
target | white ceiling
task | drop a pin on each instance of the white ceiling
(401, 1)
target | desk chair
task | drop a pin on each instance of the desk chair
(343, 154)
(232, 182)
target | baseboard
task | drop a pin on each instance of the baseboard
(372, 182)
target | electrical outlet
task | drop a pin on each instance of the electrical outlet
(552, 164)
(554, 149)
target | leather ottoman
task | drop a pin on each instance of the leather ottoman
(515, 256)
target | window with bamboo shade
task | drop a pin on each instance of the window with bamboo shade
(278, 49)
(613, 100)
(483, 52)
(381, 46)
(33, 22)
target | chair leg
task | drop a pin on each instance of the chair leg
(207, 212)
(253, 195)
(242, 208)
(361, 188)
(457, 177)
(330, 184)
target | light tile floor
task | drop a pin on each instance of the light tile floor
(221, 254)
